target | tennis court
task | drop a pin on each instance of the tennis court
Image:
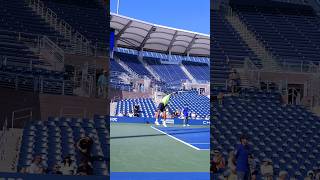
(141, 148)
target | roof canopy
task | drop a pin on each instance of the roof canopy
(140, 35)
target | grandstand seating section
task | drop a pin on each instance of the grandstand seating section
(169, 73)
(230, 45)
(56, 138)
(147, 106)
(200, 71)
(290, 32)
(133, 63)
(87, 17)
(288, 135)
(196, 103)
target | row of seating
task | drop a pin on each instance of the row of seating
(286, 134)
(56, 138)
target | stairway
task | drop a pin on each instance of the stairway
(9, 149)
(244, 79)
(126, 67)
(149, 68)
(189, 75)
(268, 61)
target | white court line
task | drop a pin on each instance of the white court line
(175, 138)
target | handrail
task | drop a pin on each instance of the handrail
(13, 118)
(80, 44)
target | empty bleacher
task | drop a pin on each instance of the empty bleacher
(289, 31)
(169, 73)
(133, 63)
(87, 17)
(200, 71)
(228, 45)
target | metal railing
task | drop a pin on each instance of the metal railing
(37, 84)
(79, 43)
(52, 53)
(20, 114)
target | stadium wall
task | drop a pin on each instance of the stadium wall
(12, 100)
(101, 62)
(72, 106)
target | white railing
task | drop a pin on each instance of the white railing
(52, 53)
(65, 111)
(25, 113)
(79, 44)
(300, 66)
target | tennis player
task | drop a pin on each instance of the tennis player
(162, 109)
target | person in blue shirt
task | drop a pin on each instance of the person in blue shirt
(185, 112)
(242, 155)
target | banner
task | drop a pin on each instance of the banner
(115, 119)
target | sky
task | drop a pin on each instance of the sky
(191, 15)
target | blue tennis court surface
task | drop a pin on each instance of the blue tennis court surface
(160, 176)
(197, 138)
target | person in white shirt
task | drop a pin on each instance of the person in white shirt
(67, 167)
(36, 166)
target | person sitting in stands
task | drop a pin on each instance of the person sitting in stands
(36, 166)
(267, 169)
(67, 166)
(136, 110)
(218, 162)
(193, 115)
(131, 114)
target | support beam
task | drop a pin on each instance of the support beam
(190, 45)
(152, 29)
(123, 30)
(172, 41)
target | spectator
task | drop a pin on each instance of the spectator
(136, 110)
(231, 172)
(56, 169)
(242, 157)
(120, 114)
(103, 84)
(67, 166)
(283, 175)
(310, 176)
(218, 162)
(267, 169)
(233, 80)
(207, 117)
(253, 164)
(193, 115)
(84, 148)
(85, 168)
(36, 166)
(177, 113)
(220, 98)
(131, 114)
